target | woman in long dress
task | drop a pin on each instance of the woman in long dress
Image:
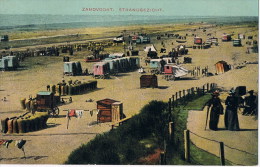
(231, 117)
(216, 110)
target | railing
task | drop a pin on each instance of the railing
(222, 147)
(182, 98)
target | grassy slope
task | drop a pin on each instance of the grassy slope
(141, 136)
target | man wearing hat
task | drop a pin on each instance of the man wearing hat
(231, 117)
(216, 110)
(250, 104)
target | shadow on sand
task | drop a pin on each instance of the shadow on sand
(29, 157)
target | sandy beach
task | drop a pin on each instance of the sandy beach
(54, 144)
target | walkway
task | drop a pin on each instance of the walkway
(241, 147)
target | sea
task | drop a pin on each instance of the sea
(29, 22)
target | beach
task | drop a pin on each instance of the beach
(54, 144)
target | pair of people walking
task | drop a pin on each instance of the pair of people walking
(230, 117)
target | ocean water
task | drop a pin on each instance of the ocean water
(41, 22)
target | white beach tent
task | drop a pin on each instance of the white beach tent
(150, 48)
(179, 71)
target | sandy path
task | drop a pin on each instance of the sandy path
(245, 140)
(54, 144)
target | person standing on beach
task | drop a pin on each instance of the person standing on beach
(216, 109)
(231, 117)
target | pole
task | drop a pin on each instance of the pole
(207, 118)
(169, 108)
(187, 145)
(162, 158)
(222, 154)
(170, 130)
(172, 100)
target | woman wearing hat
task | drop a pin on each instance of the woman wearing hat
(231, 117)
(216, 110)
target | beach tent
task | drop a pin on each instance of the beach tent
(197, 40)
(176, 70)
(222, 67)
(150, 48)
(226, 37)
(241, 36)
(116, 55)
(237, 42)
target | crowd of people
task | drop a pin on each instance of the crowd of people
(233, 102)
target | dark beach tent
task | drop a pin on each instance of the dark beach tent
(134, 52)
(237, 42)
(15, 126)
(53, 89)
(20, 125)
(4, 125)
(70, 90)
(79, 68)
(147, 81)
(240, 90)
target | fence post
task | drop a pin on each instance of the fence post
(222, 154)
(169, 108)
(162, 158)
(170, 130)
(192, 90)
(203, 89)
(172, 101)
(207, 87)
(180, 94)
(187, 145)
(176, 99)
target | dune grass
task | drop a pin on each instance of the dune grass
(141, 136)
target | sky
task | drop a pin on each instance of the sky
(160, 7)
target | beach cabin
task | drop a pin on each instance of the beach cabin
(139, 40)
(109, 110)
(3, 64)
(146, 39)
(45, 99)
(222, 67)
(148, 81)
(226, 37)
(237, 42)
(198, 40)
(4, 38)
(78, 68)
(70, 68)
(113, 65)
(157, 65)
(12, 62)
(101, 70)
